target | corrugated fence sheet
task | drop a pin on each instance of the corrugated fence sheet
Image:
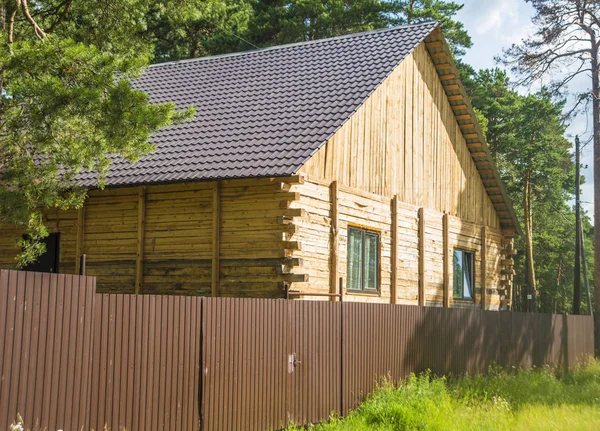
(74, 359)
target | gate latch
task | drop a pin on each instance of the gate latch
(293, 362)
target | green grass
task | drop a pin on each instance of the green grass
(502, 400)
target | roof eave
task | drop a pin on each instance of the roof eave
(442, 58)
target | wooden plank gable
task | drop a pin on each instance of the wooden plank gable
(414, 139)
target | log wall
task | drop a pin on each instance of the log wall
(169, 238)
(420, 244)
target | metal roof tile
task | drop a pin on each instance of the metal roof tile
(263, 112)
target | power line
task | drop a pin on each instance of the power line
(232, 34)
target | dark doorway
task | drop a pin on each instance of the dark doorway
(47, 262)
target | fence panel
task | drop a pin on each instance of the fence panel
(45, 334)
(146, 362)
(245, 346)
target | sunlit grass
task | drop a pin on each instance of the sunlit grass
(535, 399)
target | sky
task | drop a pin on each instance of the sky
(497, 24)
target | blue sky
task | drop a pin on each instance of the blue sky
(496, 24)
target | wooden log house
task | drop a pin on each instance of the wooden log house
(347, 166)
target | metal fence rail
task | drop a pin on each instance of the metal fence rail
(72, 358)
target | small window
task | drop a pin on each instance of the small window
(464, 274)
(363, 260)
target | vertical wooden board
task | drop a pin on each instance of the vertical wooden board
(418, 144)
(422, 256)
(333, 256)
(446, 261)
(409, 131)
(394, 255)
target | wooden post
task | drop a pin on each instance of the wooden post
(82, 260)
(333, 264)
(216, 227)
(421, 256)
(141, 224)
(80, 238)
(394, 284)
(446, 259)
(483, 267)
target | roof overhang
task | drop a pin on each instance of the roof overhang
(447, 71)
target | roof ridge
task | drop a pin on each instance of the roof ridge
(294, 44)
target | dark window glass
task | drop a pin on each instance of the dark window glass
(464, 274)
(363, 260)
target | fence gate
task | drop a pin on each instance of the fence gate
(314, 363)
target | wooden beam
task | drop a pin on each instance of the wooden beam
(80, 237)
(434, 44)
(483, 267)
(441, 54)
(446, 260)
(459, 107)
(421, 256)
(493, 189)
(451, 87)
(481, 163)
(471, 136)
(509, 233)
(141, 225)
(447, 77)
(443, 66)
(394, 286)
(216, 238)
(478, 154)
(466, 126)
(486, 172)
(463, 117)
(333, 266)
(455, 97)
(507, 262)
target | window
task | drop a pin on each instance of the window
(363, 260)
(464, 274)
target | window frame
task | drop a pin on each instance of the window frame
(473, 274)
(365, 231)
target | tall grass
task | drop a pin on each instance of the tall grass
(535, 399)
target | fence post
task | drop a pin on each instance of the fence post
(82, 264)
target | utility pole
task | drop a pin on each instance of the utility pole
(577, 277)
(585, 274)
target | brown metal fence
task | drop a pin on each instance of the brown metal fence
(74, 359)
(71, 358)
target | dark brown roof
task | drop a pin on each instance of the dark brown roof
(265, 112)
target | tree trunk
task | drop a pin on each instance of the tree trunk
(596, 123)
(531, 287)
